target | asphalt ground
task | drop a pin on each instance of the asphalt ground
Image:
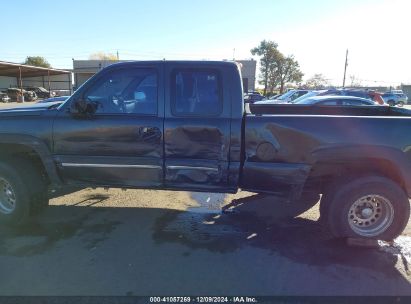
(141, 242)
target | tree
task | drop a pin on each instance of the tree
(267, 50)
(317, 81)
(276, 69)
(288, 71)
(355, 82)
(37, 61)
(103, 56)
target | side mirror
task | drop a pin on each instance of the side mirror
(83, 107)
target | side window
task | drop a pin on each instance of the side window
(128, 90)
(196, 92)
(349, 103)
(294, 96)
(355, 103)
(329, 103)
(356, 94)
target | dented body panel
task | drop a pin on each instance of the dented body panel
(323, 141)
(278, 149)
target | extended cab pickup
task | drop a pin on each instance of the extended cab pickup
(183, 125)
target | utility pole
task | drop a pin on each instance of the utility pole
(345, 67)
(234, 54)
(118, 57)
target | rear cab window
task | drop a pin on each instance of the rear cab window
(196, 92)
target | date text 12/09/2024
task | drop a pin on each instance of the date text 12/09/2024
(239, 299)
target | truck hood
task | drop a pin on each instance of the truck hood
(31, 109)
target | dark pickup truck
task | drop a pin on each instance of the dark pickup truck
(183, 125)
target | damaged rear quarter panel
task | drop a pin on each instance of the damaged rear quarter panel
(292, 144)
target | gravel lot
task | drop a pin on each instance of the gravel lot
(141, 242)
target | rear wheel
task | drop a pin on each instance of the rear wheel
(368, 207)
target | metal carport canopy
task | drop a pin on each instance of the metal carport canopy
(10, 69)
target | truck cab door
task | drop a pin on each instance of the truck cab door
(196, 128)
(121, 144)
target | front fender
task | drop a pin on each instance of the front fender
(39, 147)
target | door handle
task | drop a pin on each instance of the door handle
(149, 132)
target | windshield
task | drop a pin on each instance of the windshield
(306, 101)
(305, 96)
(286, 95)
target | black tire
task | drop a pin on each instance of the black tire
(30, 188)
(39, 198)
(9, 176)
(391, 103)
(371, 207)
(401, 104)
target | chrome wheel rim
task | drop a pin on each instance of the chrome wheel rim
(7, 197)
(370, 215)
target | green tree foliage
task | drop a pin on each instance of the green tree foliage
(267, 50)
(288, 70)
(37, 61)
(276, 69)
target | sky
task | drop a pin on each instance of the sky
(316, 32)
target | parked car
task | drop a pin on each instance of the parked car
(198, 136)
(275, 96)
(253, 97)
(288, 97)
(4, 97)
(395, 98)
(41, 92)
(356, 93)
(14, 94)
(377, 97)
(54, 99)
(336, 101)
(367, 94)
(308, 95)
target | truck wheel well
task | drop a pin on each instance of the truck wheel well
(24, 152)
(323, 174)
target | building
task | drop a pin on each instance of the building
(84, 69)
(248, 72)
(15, 75)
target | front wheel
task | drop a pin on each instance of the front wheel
(369, 207)
(14, 197)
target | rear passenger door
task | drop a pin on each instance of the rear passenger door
(196, 128)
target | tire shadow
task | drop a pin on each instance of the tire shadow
(252, 224)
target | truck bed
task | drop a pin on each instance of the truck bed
(260, 109)
(285, 145)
